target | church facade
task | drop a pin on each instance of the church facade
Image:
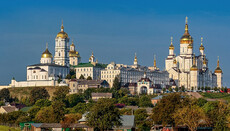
(190, 70)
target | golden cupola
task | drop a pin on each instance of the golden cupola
(186, 38)
(72, 53)
(201, 45)
(204, 61)
(194, 67)
(46, 53)
(62, 34)
(171, 47)
(218, 69)
(135, 58)
(190, 46)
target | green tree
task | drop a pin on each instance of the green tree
(81, 77)
(33, 111)
(74, 99)
(116, 83)
(68, 76)
(217, 113)
(190, 116)
(5, 94)
(73, 77)
(202, 88)
(126, 111)
(38, 93)
(164, 110)
(215, 88)
(22, 119)
(164, 89)
(170, 89)
(145, 101)
(105, 117)
(140, 119)
(79, 108)
(60, 93)
(201, 102)
(176, 89)
(58, 110)
(46, 115)
(183, 88)
(43, 102)
(198, 88)
(13, 116)
(89, 78)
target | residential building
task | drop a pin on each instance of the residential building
(96, 96)
(80, 85)
(7, 109)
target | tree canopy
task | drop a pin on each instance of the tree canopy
(38, 93)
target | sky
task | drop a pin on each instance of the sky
(113, 29)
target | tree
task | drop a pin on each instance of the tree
(192, 88)
(202, 88)
(68, 76)
(46, 115)
(5, 94)
(74, 99)
(183, 88)
(79, 108)
(162, 112)
(105, 117)
(89, 78)
(198, 88)
(215, 88)
(33, 111)
(58, 110)
(73, 77)
(116, 83)
(170, 89)
(81, 77)
(164, 89)
(145, 101)
(190, 116)
(43, 103)
(38, 93)
(126, 111)
(176, 89)
(60, 93)
(140, 119)
(68, 119)
(201, 102)
(217, 112)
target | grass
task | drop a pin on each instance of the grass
(223, 96)
(22, 92)
(6, 128)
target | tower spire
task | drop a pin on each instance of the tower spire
(186, 25)
(218, 62)
(46, 45)
(194, 60)
(62, 27)
(154, 64)
(171, 40)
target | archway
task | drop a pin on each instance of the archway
(143, 90)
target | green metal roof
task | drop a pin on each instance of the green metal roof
(90, 65)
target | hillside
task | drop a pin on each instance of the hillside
(22, 92)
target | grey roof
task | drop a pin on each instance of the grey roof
(36, 124)
(157, 98)
(101, 94)
(9, 108)
(48, 64)
(127, 121)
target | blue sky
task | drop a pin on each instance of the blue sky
(113, 29)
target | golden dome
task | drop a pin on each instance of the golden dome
(46, 54)
(190, 46)
(194, 67)
(218, 69)
(72, 54)
(62, 34)
(174, 61)
(201, 45)
(135, 59)
(186, 38)
(171, 45)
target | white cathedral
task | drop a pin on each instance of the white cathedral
(49, 70)
(189, 70)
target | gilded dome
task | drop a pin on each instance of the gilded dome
(186, 38)
(201, 47)
(171, 47)
(62, 34)
(72, 54)
(46, 54)
(190, 46)
(218, 70)
(194, 68)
